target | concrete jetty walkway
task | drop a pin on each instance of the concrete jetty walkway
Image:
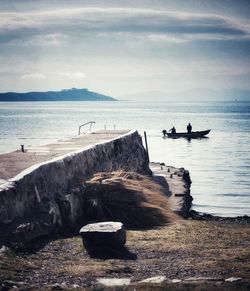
(15, 162)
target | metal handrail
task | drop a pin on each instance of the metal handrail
(90, 122)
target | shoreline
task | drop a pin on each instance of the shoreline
(198, 251)
(196, 215)
(182, 203)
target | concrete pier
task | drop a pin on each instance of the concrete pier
(38, 193)
(15, 162)
(34, 178)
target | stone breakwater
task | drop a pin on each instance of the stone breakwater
(32, 196)
(177, 181)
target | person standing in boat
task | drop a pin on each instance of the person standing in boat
(189, 128)
(173, 130)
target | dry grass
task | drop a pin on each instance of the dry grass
(133, 199)
(180, 250)
(205, 245)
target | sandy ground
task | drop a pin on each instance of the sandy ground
(15, 162)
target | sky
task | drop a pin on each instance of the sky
(119, 47)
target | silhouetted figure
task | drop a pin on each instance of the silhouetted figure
(173, 130)
(164, 132)
(189, 128)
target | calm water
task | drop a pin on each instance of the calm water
(219, 165)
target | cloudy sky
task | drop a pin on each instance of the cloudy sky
(120, 47)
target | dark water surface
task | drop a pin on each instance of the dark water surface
(219, 165)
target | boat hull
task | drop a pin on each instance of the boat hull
(194, 134)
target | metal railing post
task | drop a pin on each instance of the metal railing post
(90, 122)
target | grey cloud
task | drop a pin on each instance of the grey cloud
(38, 76)
(50, 39)
(27, 26)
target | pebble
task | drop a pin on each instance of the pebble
(114, 281)
(176, 281)
(3, 250)
(233, 279)
(154, 280)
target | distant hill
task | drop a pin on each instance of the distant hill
(197, 95)
(63, 95)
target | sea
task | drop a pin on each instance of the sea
(219, 165)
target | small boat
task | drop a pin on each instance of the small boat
(193, 134)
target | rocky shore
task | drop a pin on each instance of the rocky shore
(198, 252)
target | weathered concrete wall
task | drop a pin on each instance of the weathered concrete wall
(33, 188)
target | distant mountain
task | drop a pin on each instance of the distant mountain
(63, 95)
(191, 95)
